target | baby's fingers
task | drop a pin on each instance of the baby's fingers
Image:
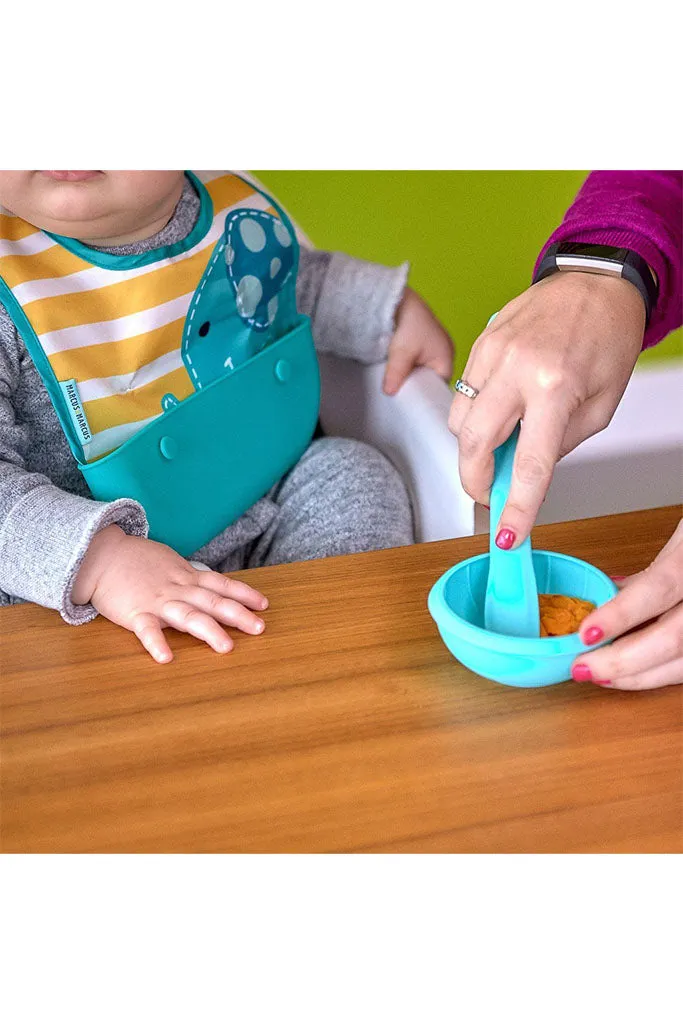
(399, 365)
(188, 619)
(234, 589)
(147, 629)
(224, 609)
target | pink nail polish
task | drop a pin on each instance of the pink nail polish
(505, 539)
(593, 635)
(582, 674)
(617, 579)
(602, 682)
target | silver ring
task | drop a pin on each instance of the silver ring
(466, 389)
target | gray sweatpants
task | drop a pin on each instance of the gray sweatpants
(342, 496)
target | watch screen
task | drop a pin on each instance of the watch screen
(605, 252)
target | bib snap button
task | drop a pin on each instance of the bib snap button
(282, 370)
(168, 447)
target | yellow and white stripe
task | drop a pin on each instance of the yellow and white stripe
(117, 333)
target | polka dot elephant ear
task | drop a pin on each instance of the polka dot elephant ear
(246, 298)
(259, 256)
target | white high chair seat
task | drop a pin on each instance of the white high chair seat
(636, 463)
(411, 429)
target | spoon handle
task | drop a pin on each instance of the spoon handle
(511, 602)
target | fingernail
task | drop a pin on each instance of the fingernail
(593, 635)
(602, 682)
(259, 627)
(505, 539)
(617, 579)
(582, 674)
(487, 507)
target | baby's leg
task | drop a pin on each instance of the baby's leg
(341, 497)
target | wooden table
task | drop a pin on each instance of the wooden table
(346, 727)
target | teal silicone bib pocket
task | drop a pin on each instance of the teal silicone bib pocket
(205, 461)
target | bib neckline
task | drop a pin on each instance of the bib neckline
(116, 261)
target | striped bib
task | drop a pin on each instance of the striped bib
(126, 337)
(183, 377)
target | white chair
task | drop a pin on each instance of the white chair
(636, 463)
(411, 429)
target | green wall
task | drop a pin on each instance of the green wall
(471, 236)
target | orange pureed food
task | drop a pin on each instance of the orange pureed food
(562, 615)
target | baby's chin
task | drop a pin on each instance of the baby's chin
(74, 203)
(101, 207)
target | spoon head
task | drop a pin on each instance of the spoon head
(511, 604)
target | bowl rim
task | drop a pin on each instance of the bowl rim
(442, 613)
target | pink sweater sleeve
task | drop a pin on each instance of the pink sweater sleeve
(639, 210)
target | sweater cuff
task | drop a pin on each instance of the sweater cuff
(60, 526)
(356, 310)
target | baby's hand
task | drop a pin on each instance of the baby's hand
(144, 586)
(419, 340)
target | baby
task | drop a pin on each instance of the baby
(101, 273)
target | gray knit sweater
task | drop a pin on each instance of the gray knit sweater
(47, 516)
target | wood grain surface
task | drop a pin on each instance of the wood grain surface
(347, 726)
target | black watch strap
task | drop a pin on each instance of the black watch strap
(601, 259)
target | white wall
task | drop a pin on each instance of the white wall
(636, 463)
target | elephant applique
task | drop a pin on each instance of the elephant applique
(245, 300)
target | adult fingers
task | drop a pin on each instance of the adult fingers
(223, 609)
(662, 675)
(490, 420)
(147, 629)
(655, 645)
(234, 589)
(188, 619)
(481, 362)
(543, 428)
(650, 593)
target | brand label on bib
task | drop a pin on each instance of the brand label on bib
(73, 404)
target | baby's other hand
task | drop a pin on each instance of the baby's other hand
(144, 586)
(419, 340)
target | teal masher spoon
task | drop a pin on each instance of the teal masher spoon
(511, 602)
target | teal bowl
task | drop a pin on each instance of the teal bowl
(456, 603)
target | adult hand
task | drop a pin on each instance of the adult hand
(559, 358)
(651, 603)
(144, 586)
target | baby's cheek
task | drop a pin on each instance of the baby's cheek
(15, 191)
(143, 188)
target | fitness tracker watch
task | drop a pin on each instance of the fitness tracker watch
(602, 259)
